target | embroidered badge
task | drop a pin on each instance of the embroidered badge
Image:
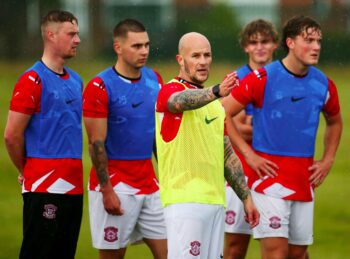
(195, 248)
(230, 217)
(111, 234)
(275, 222)
(50, 211)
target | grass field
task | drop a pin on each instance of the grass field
(332, 210)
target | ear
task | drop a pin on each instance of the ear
(275, 46)
(179, 60)
(245, 50)
(290, 43)
(117, 48)
(49, 35)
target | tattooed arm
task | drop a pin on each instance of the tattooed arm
(235, 178)
(96, 129)
(234, 172)
(191, 99)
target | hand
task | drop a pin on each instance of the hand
(252, 215)
(229, 82)
(261, 166)
(111, 202)
(20, 179)
(319, 170)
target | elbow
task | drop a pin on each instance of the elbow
(11, 139)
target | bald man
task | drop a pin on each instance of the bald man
(192, 160)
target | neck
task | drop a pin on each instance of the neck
(127, 71)
(54, 63)
(253, 65)
(294, 66)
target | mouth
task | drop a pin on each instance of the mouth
(202, 71)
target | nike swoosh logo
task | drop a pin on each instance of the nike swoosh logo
(70, 101)
(296, 99)
(208, 121)
(134, 105)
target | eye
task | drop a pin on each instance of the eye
(253, 42)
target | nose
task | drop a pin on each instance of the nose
(317, 45)
(145, 50)
(77, 39)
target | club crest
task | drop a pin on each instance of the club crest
(111, 234)
(275, 222)
(49, 211)
(195, 248)
(230, 217)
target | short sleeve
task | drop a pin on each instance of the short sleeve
(26, 95)
(95, 99)
(164, 94)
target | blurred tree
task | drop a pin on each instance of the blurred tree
(15, 16)
(98, 33)
(12, 28)
(217, 23)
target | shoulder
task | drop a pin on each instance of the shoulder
(96, 84)
(31, 77)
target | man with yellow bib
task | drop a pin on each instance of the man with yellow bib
(194, 157)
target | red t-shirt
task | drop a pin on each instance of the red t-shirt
(126, 176)
(63, 175)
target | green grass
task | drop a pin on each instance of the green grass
(332, 212)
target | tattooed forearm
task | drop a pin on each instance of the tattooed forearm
(190, 99)
(234, 172)
(99, 160)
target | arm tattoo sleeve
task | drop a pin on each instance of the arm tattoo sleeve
(234, 172)
(100, 161)
(190, 99)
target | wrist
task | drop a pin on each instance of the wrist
(216, 90)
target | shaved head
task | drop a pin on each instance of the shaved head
(189, 39)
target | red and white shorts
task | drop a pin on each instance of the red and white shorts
(143, 218)
(284, 218)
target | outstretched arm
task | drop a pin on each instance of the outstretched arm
(320, 169)
(235, 177)
(191, 99)
(96, 129)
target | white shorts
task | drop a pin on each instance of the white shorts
(194, 230)
(283, 218)
(234, 221)
(143, 218)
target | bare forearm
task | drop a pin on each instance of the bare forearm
(16, 152)
(100, 162)
(234, 172)
(332, 139)
(190, 99)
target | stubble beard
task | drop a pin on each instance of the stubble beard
(193, 78)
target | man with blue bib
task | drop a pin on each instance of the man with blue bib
(288, 96)
(119, 106)
(43, 137)
(259, 41)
